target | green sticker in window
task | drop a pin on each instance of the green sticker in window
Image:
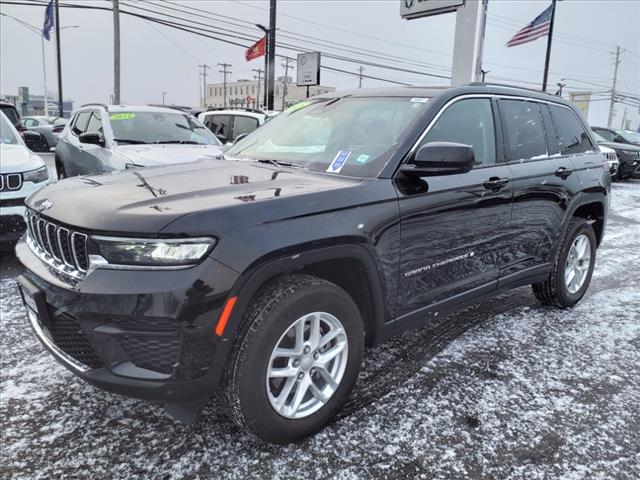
(298, 106)
(122, 116)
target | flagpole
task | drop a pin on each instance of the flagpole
(60, 101)
(549, 40)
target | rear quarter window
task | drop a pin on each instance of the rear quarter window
(572, 136)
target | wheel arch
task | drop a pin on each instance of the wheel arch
(351, 267)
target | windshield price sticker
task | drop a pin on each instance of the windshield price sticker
(122, 116)
(298, 106)
(363, 158)
(339, 162)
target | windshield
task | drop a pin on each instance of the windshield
(347, 136)
(7, 135)
(160, 127)
(630, 137)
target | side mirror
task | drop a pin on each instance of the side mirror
(440, 158)
(91, 138)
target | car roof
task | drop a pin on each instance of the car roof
(435, 91)
(130, 108)
(232, 111)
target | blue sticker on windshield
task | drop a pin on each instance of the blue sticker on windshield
(339, 162)
(363, 158)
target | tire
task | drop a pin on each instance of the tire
(554, 290)
(268, 320)
(62, 174)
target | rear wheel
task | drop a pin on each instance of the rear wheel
(297, 359)
(571, 274)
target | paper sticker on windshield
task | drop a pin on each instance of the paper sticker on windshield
(339, 162)
(363, 158)
(122, 116)
(419, 100)
(297, 106)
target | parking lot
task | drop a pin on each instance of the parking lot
(506, 389)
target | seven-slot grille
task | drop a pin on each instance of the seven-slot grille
(10, 181)
(66, 247)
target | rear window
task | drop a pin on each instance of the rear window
(525, 130)
(572, 136)
(11, 113)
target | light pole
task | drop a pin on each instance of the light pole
(38, 32)
(163, 94)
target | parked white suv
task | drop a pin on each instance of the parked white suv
(229, 124)
(22, 172)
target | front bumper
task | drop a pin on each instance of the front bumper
(630, 168)
(140, 333)
(12, 225)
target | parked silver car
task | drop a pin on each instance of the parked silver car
(101, 138)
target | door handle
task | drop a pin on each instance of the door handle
(563, 172)
(495, 183)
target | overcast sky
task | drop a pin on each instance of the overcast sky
(157, 58)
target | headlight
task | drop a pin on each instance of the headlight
(154, 252)
(36, 176)
(631, 153)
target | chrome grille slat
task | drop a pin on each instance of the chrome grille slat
(10, 181)
(62, 248)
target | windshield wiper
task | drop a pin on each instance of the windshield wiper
(181, 142)
(279, 163)
(128, 140)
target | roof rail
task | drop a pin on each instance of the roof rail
(106, 107)
(492, 84)
(182, 108)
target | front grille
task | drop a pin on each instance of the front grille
(64, 249)
(10, 181)
(69, 337)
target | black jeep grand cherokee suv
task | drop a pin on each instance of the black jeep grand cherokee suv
(345, 220)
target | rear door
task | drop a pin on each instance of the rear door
(454, 227)
(544, 181)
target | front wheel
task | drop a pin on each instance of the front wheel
(571, 274)
(297, 360)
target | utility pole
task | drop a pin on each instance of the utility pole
(163, 95)
(224, 72)
(271, 53)
(204, 68)
(361, 69)
(60, 101)
(259, 78)
(116, 52)
(613, 87)
(624, 117)
(285, 80)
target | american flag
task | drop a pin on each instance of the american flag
(534, 30)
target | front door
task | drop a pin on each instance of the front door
(454, 227)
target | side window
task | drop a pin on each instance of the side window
(243, 124)
(469, 122)
(95, 124)
(30, 122)
(572, 137)
(80, 123)
(220, 125)
(550, 128)
(524, 129)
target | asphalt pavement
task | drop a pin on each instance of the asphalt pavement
(507, 389)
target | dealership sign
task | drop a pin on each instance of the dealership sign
(308, 69)
(410, 9)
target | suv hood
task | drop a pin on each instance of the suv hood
(146, 200)
(165, 154)
(621, 146)
(18, 158)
